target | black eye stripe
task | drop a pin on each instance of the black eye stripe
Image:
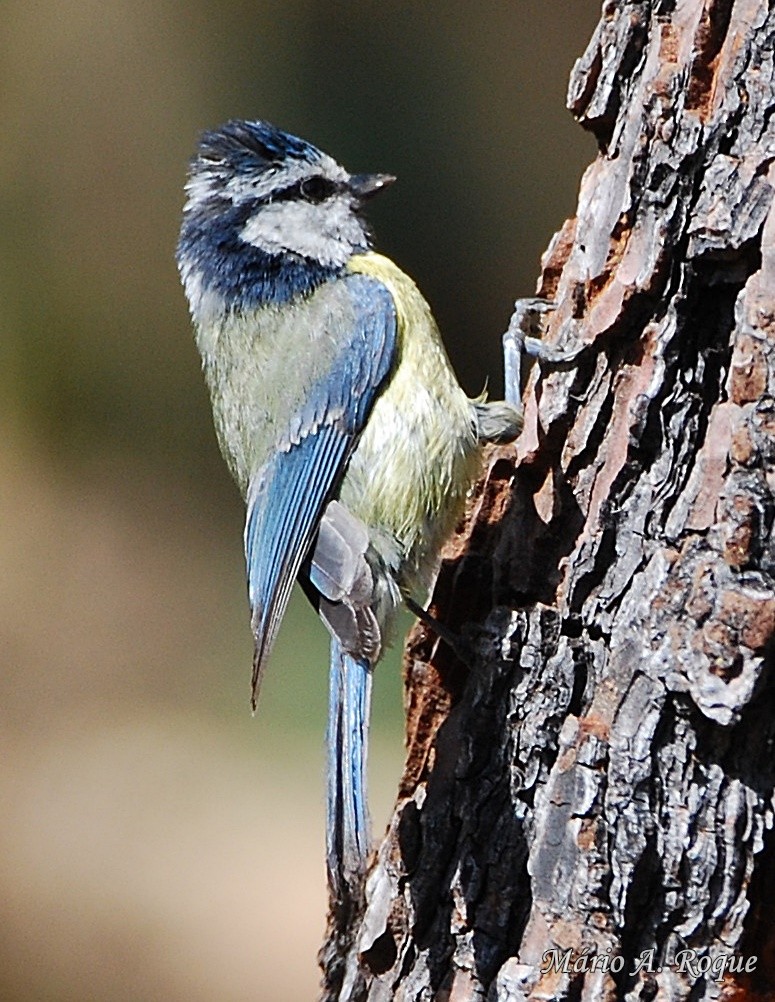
(317, 189)
(312, 189)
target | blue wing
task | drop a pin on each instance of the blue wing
(286, 497)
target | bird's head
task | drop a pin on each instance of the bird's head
(253, 186)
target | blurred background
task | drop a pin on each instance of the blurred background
(156, 841)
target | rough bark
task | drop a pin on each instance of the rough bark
(600, 778)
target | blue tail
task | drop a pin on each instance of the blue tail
(347, 818)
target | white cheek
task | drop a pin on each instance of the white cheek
(328, 233)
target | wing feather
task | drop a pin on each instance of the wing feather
(287, 496)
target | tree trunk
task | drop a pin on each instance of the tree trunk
(586, 809)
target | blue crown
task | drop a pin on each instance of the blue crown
(254, 144)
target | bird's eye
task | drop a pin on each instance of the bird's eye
(316, 189)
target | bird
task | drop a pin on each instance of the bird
(338, 414)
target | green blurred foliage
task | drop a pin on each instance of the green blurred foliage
(159, 842)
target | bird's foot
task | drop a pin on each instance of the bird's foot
(524, 337)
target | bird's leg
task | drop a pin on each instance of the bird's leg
(523, 337)
(500, 421)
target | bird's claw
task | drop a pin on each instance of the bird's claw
(523, 337)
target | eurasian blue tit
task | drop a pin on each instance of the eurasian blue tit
(337, 411)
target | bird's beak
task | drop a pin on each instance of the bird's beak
(364, 186)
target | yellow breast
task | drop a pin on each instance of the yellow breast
(418, 455)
